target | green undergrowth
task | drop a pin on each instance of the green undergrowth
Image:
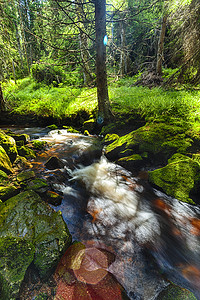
(28, 96)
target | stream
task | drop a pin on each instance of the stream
(155, 238)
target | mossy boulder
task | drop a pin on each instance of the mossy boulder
(131, 162)
(7, 192)
(26, 215)
(16, 254)
(174, 292)
(25, 175)
(38, 185)
(3, 176)
(159, 140)
(70, 129)
(22, 163)
(89, 125)
(5, 163)
(110, 138)
(39, 145)
(178, 178)
(9, 145)
(19, 137)
(26, 152)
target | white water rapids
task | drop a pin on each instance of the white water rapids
(154, 237)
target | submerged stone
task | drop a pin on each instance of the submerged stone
(5, 163)
(174, 292)
(54, 163)
(178, 178)
(26, 215)
(16, 254)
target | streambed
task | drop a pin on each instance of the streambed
(155, 238)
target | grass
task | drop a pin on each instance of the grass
(152, 104)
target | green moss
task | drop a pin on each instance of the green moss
(160, 140)
(178, 178)
(9, 145)
(174, 292)
(7, 192)
(16, 254)
(52, 127)
(89, 125)
(26, 152)
(39, 145)
(133, 157)
(3, 176)
(25, 175)
(110, 138)
(26, 215)
(36, 184)
(5, 163)
(70, 129)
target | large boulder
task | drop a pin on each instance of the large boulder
(9, 145)
(26, 215)
(175, 292)
(5, 163)
(159, 140)
(16, 254)
(178, 178)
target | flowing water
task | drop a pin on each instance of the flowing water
(154, 237)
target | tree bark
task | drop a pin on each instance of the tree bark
(123, 57)
(101, 73)
(85, 56)
(160, 57)
(2, 102)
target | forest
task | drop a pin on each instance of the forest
(99, 149)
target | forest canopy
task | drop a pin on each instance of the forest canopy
(75, 42)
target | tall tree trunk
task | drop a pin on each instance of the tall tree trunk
(101, 73)
(160, 57)
(2, 101)
(83, 39)
(123, 57)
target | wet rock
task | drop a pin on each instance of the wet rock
(176, 293)
(89, 125)
(20, 137)
(159, 140)
(110, 138)
(54, 163)
(3, 176)
(26, 152)
(26, 215)
(70, 129)
(53, 127)
(92, 153)
(25, 175)
(38, 185)
(22, 163)
(131, 162)
(53, 198)
(178, 178)
(9, 145)
(16, 254)
(39, 145)
(7, 192)
(5, 163)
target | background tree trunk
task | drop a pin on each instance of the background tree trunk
(2, 102)
(160, 57)
(101, 74)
